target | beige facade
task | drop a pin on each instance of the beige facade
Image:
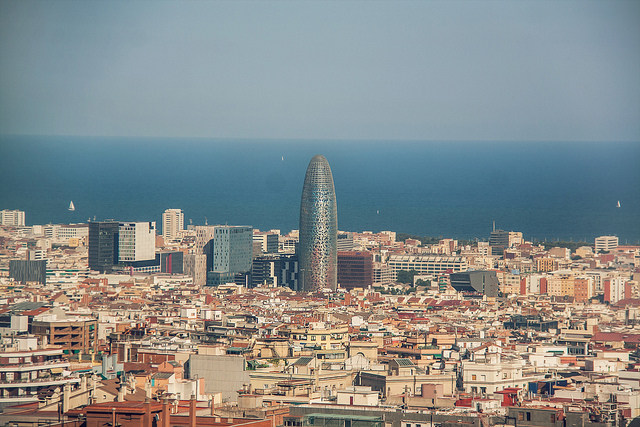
(330, 338)
(493, 374)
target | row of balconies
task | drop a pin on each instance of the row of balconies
(30, 366)
(36, 382)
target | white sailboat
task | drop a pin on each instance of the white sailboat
(618, 204)
(71, 207)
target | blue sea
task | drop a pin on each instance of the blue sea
(547, 190)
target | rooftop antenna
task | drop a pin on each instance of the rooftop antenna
(205, 221)
(494, 225)
(190, 221)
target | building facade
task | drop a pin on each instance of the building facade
(103, 246)
(195, 265)
(63, 233)
(275, 270)
(427, 264)
(498, 241)
(13, 218)
(481, 282)
(355, 269)
(228, 250)
(24, 271)
(172, 224)
(172, 262)
(268, 241)
(318, 250)
(136, 241)
(27, 368)
(73, 334)
(606, 243)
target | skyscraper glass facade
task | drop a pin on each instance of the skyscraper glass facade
(317, 251)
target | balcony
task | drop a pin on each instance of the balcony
(29, 366)
(37, 382)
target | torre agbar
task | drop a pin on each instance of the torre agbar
(318, 248)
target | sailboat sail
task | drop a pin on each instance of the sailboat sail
(71, 207)
(618, 203)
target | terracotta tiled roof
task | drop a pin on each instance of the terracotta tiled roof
(616, 336)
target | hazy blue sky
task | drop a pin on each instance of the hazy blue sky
(433, 70)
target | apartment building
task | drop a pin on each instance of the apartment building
(72, 334)
(13, 218)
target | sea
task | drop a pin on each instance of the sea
(549, 191)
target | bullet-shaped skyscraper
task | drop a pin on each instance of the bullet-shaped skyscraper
(318, 247)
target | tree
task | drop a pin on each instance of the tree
(425, 283)
(406, 276)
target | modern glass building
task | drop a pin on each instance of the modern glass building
(318, 247)
(103, 245)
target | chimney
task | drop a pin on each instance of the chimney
(66, 397)
(213, 405)
(166, 412)
(192, 411)
(121, 387)
(147, 388)
(147, 412)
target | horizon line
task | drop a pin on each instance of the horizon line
(334, 139)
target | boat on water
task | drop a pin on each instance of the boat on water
(618, 204)
(71, 207)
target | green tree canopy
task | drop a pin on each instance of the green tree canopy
(406, 276)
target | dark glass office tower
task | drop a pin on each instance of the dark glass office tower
(318, 248)
(103, 246)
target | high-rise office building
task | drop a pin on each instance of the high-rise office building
(229, 251)
(499, 241)
(275, 270)
(136, 241)
(355, 269)
(267, 240)
(172, 224)
(103, 246)
(318, 253)
(125, 243)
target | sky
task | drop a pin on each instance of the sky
(424, 70)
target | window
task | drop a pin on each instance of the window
(528, 416)
(520, 416)
(473, 377)
(552, 418)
